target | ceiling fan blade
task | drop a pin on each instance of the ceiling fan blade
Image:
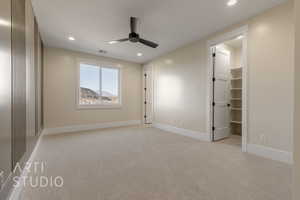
(117, 41)
(148, 43)
(133, 23)
(123, 40)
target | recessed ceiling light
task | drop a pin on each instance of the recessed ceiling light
(71, 38)
(139, 54)
(112, 42)
(240, 37)
(4, 22)
(231, 2)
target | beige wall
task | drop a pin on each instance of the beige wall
(297, 106)
(237, 52)
(60, 86)
(180, 88)
(181, 81)
(271, 80)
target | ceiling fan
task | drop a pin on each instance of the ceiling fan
(134, 37)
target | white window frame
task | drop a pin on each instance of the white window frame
(100, 65)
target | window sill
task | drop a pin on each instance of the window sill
(98, 107)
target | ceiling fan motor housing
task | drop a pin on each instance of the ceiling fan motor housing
(134, 37)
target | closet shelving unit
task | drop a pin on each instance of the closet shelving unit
(236, 122)
(236, 100)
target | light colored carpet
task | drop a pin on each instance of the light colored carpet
(137, 163)
(234, 140)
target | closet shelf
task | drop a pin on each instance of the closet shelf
(235, 69)
(236, 100)
(236, 79)
(236, 122)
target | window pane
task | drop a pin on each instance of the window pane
(110, 85)
(89, 84)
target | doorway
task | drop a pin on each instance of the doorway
(228, 96)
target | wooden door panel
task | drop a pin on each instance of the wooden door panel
(19, 81)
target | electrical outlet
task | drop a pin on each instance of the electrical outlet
(262, 139)
(1, 179)
(181, 124)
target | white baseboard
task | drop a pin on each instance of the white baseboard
(185, 132)
(16, 191)
(262, 151)
(75, 128)
(267, 152)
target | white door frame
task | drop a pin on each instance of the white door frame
(211, 43)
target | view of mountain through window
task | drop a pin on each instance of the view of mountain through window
(98, 85)
(109, 83)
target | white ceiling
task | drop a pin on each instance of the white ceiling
(171, 23)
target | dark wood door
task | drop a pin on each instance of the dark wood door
(5, 91)
(19, 81)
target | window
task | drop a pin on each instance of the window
(99, 86)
